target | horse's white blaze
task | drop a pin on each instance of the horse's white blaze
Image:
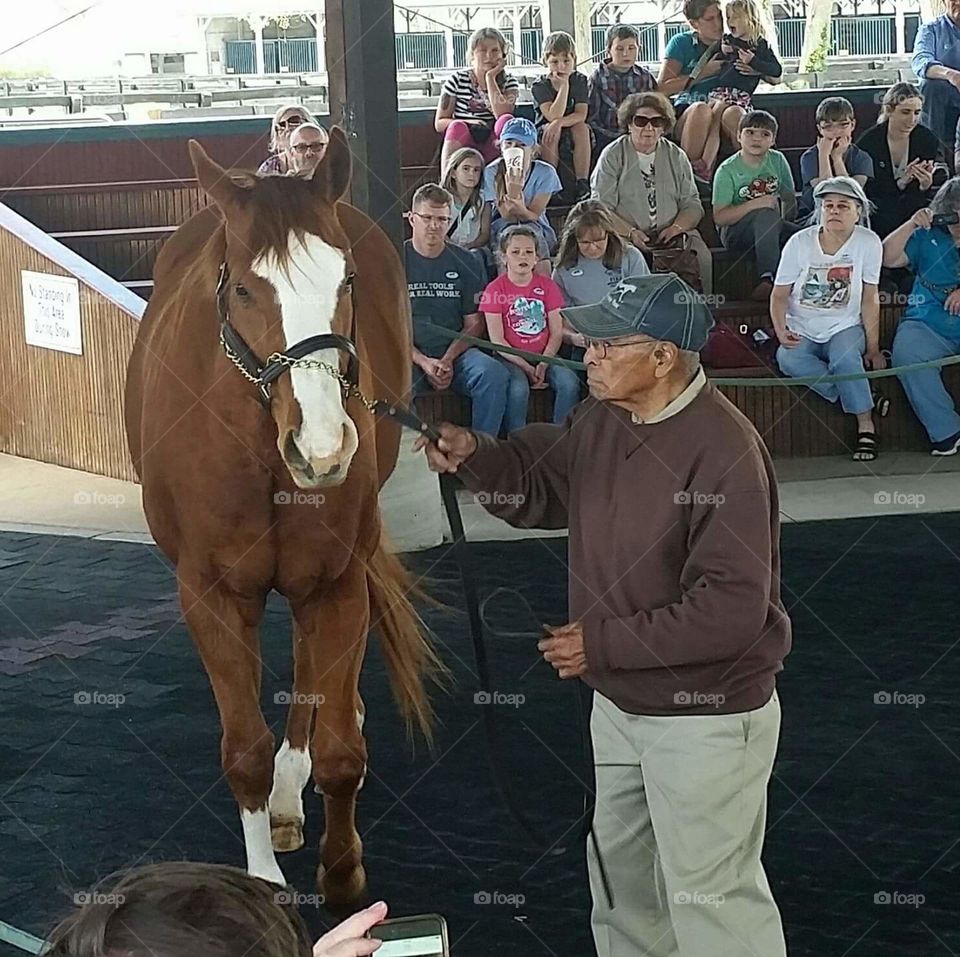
(308, 291)
(291, 771)
(261, 861)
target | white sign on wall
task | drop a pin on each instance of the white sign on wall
(51, 312)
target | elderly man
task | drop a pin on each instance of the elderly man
(936, 60)
(676, 620)
(308, 143)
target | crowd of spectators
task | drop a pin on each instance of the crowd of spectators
(647, 153)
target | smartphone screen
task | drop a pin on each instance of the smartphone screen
(422, 936)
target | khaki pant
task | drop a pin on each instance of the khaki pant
(681, 810)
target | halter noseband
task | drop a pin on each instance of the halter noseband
(262, 374)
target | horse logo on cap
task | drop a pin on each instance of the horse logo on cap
(622, 289)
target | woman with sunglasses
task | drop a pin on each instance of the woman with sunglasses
(285, 121)
(648, 182)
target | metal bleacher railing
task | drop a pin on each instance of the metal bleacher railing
(856, 36)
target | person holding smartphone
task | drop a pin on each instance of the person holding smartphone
(930, 329)
(176, 908)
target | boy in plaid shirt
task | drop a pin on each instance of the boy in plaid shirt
(614, 80)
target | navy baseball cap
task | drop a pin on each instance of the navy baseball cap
(661, 306)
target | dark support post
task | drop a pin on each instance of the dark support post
(362, 77)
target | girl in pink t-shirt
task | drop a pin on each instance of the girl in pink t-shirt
(523, 311)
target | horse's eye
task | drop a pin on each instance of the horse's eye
(241, 291)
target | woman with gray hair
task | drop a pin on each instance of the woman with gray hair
(826, 304)
(930, 329)
(285, 121)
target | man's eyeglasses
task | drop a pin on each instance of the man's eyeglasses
(301, 149)
(289, 123)
(432, 220)
(600, 346)
(658, 122)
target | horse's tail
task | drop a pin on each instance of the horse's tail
(410, 657)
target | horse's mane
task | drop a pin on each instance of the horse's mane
(280, 204)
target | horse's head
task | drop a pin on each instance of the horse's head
(289, 266)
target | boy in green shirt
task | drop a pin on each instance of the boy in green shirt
(754, 200)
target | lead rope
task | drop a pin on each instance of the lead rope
(476, 617)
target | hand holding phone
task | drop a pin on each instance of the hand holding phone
(423, 935)
(350, 938)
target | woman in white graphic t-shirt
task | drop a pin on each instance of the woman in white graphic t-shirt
(826, 305)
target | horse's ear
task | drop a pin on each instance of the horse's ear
(333, 173)
(214, 180)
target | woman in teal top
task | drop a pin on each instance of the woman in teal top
(930, 329)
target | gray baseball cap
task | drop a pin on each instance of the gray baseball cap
(661, 306)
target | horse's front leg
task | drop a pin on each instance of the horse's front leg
(331, 639)
(224, 626)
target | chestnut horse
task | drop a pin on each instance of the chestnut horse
(249, 487)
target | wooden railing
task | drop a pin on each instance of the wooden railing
(97, 206)
(56, 406)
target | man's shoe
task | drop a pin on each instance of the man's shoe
(947, 447)
(583, 189)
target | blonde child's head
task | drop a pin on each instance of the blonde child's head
(743, 19)
(519, 249)
(559, 54)
(465, 169)
(486, 50)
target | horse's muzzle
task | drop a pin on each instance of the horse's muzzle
(318, 471)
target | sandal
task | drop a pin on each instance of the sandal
(866, 447)
(881, 406)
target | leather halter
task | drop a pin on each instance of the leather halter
(262, 374)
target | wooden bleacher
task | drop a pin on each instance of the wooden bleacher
(120, 226)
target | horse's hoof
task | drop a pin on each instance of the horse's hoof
(286, 834)
(343, 894)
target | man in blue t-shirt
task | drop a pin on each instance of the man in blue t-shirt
(445, 283)
(930, 328)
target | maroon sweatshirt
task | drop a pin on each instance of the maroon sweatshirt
(673, 550)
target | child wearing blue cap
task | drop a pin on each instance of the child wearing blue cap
(519, 186)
